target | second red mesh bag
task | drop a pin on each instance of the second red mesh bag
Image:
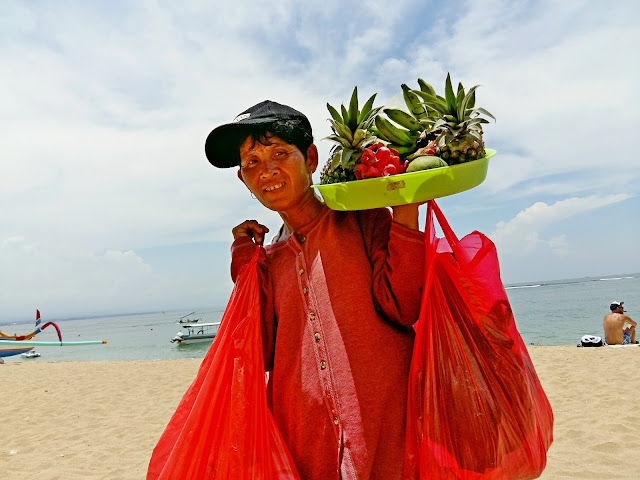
(476, 409)
(223, 428)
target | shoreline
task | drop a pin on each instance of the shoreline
(101, 419)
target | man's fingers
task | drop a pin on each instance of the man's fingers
(250, 228)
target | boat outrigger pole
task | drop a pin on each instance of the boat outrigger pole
(29, 343)
(23, 343)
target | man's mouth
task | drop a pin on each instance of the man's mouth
(274, 187)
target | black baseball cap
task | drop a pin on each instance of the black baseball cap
(223, 142)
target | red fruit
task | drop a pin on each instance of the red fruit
(367, 157)
(372, 172)
(379, 160)
(389, 170)
(383, 154)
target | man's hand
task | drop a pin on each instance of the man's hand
(407, 215)
(250, 228)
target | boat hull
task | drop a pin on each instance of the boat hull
(204, 332)
(194, 339)
(10, 352)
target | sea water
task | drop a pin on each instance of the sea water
(561, 312)
(143, 336)
(546, 313)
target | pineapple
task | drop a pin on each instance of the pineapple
(351, 136)
(457, 129)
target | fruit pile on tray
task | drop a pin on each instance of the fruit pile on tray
(389, 156)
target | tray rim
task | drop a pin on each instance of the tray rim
(429, 174)
(488, 154)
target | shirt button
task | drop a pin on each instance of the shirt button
(312, 315)
(301, 238)
(301, 271)
(323, 365)
(305, 290)
(317, 336)
(336, 420)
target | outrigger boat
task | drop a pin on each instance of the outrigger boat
(203, 332)
(184, 319)
(17, 348)
(18, 344)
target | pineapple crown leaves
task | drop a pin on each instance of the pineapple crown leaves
(353, 118)
(456, 114)
(346, 123)
(460, 105)
(350, 129)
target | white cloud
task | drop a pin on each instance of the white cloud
(522, 234)
(546, 70)
(105, 113)
(62, 280)
(559, 245)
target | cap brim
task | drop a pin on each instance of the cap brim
(223, 143)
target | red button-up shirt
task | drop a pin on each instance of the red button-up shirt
(339, 299)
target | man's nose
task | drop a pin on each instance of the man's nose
(271, 167)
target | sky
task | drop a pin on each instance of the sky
(108, 204)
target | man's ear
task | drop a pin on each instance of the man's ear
(240, 176)
(312, 158)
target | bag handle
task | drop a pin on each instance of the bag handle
(444, 224)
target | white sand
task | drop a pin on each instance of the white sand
(101, 420)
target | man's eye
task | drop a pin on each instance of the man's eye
(250, 162)
(281, 153)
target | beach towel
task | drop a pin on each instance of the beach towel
(476, 409)
(223, 428)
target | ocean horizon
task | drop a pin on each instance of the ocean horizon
(556, 312)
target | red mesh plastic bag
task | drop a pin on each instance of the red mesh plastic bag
(223, 428)
(476, 409)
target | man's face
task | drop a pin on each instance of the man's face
(277, 174)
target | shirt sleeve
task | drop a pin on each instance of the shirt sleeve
(397, 256)
(242, 250)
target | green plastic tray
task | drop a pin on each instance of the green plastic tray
(405, 188)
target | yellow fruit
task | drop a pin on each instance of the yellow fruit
(425, 162)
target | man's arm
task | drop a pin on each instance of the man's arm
(631, 322)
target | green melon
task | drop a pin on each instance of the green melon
(425, 162)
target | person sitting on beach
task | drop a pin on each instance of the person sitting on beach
(340, 291)
(615, 331)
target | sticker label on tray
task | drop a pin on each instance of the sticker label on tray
(396, 185)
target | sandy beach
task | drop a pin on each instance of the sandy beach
(101, 420)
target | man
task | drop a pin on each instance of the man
(615, 331)
(340, 291)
